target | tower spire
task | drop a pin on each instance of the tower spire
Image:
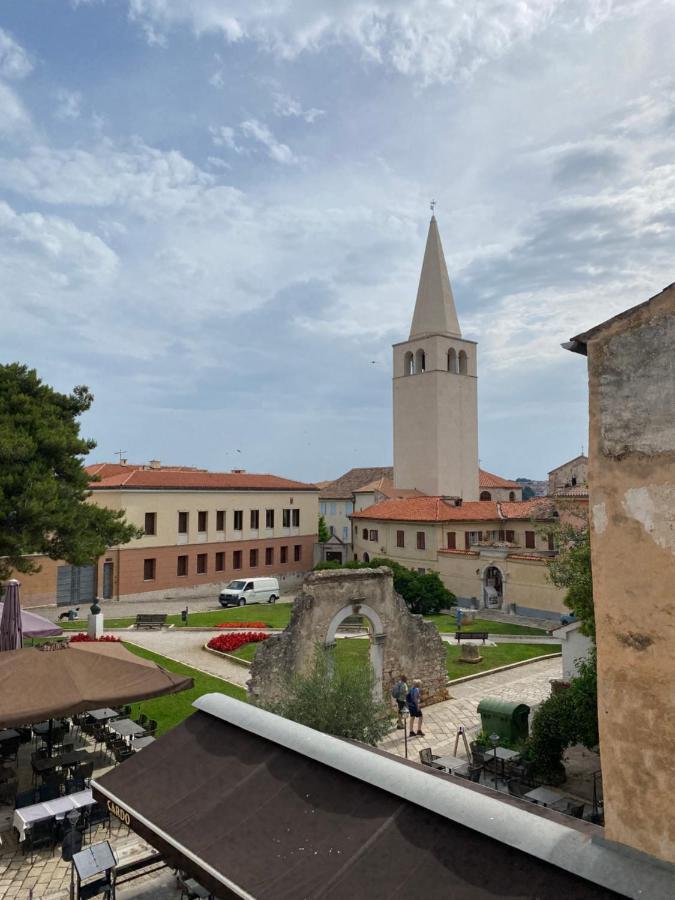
(435, 311)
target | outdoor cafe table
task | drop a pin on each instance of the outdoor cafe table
(55, 762)
(25, 816)
(126, 728)
(503, 754)
(545, 796)
(141, 742)
(102, 715)
(451, 762)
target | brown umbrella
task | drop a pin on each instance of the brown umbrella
(11, 635)
(37, 684)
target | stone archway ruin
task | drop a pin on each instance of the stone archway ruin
(400, 642)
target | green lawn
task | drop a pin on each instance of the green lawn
(493, 657)
(447, 623)
(172, 709)
(272, 615)
(352, 649)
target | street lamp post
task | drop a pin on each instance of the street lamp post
(494, 740)
(405, 714)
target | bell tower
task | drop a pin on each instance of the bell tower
(435, 390)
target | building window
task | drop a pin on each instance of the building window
(236, 559)
(420, 362)
(255, 519)
(269, 556)
(408, 364)
(201, 563)
(373, 534)
(463, 363)
(269, 518)
(253, 558)
(485, 495)
(150, 526)
(345, 533)
(220, 520)
(529, 540)
(421, 541)
(551, 542)
(332, 530)
(286, 518)
(322, 509)
(452, 540)
(332, 509)
(297, 552)
(296, 518)
(452, 360)
(220, 562)
(349, 507)
(512, 496)
(238, 519)
(283, 555)
(510, 537)
(182, 565)
(149, 569)
(202, 521)
(364, 534)
(400, 538)
(183, 520)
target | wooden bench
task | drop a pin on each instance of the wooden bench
(150, 620)
(471, 636)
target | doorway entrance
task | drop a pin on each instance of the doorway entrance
(493, 588)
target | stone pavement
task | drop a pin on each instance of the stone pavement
(530, 683)
(188, 647)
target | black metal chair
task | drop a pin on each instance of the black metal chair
(122, 753)
(151, 727)
(477, 755)
(427, 758)
(25, 798)
(96, 815)
(576, 811)
(83, 771)
(126, 711)
(8, 792)
(142, 720)
(518, 788)
(40, 834)
(74, 785)
(50, 790)
(9, 749)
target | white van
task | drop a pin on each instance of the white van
(249, 590)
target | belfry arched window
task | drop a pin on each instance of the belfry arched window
(409, 364)
(463, 366)
(512, 495)
(485, 495)
(420, 362)
(452, 360)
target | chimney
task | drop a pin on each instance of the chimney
(155, 464)
(238, 471)
(123, 462)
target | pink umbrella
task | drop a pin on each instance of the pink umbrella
(11, 631)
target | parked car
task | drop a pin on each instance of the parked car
(249, 590)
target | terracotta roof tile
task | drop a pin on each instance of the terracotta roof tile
(159, 479)
(436, 509)
(344, 486)
(537, 508)
(488, 480)
(386, 486)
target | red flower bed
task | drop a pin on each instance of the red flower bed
(226, 643)
(242, 625)
(84, 638)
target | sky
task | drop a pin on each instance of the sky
(213, 213)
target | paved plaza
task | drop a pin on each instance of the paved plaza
(530, 683)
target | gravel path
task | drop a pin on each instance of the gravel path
(188, 647)
(529, 683)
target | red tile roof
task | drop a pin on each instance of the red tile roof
(103, 470)
(343, 487)
(186, 480)
(386, 486)
(488, 480)
(436, 509)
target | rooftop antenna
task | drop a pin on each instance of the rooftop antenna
(432, 206)
(120, 454)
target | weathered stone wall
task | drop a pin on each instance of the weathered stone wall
(404, 642)
(632, 500)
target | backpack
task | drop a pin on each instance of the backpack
(396, 690)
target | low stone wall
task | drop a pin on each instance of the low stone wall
(400, 642)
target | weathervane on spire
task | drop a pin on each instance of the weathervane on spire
(432, 206)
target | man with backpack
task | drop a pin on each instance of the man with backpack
(399, 692)
(414, 701)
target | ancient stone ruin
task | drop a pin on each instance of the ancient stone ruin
(399, 640)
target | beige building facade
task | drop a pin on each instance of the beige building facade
(572, 474)
(631, 365)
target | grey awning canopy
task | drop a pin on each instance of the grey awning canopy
(250, 816)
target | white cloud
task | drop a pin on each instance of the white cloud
(224, 136)
(14, 60)
(68, 104)
(259, 132)
(433, 41)
(13, 115)
(288, 106)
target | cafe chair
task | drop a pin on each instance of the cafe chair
(74, 785)
(25, 798)
(96, 815)
(40, 834)
(576, 811)
(84, 771)
(427, 758)
(8, 792)
(150, 727)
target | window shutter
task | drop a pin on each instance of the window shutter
(452, 540)
(467, 541)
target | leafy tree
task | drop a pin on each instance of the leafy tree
(337, 700)
(528, 492)
(571, 569)
(43, 484)
(424, 594)
(324, 532)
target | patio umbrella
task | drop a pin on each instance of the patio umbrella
(34, 626)
(11, 636)
(38, 684)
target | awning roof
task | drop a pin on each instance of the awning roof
(310, 816)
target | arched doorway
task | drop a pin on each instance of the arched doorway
(493, 587)
(366, 557)
(377, 637)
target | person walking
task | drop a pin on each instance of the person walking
(414, 701)
(458, 617)
(399, 692)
